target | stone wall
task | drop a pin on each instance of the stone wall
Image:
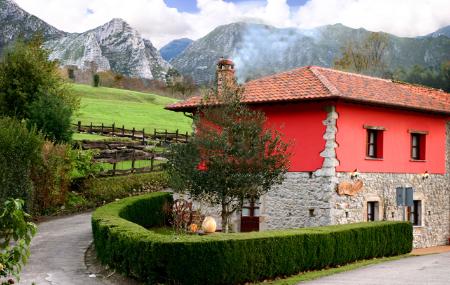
(303, 200)
(433, 191)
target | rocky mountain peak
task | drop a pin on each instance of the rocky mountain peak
(115, 46)
(15, 22)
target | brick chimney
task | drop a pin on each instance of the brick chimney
(225, 74)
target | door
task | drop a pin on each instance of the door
(250, 216)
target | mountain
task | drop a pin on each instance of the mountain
(259, 50)
(113, 46)
(445, 31)
(15, 23)
(174, 48)
(116, 46)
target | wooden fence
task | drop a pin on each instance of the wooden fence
(120, 155)
(134, 134)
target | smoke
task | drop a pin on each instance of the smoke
(266, 50)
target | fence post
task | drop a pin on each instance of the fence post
(154, 133)
(166, 136)
(113, 128)
(132, 134)
(187, 135)
(90, 129)
(79, 126)
(102, 128)
(114, 165)
(151, 161)
(143, 136)
(133, 159)
(123, 130)
(176, 136)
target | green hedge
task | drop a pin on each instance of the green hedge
(105, 190)
(125, 245)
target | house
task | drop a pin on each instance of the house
(356, 140)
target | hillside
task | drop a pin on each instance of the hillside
(174, 48)
(260, 50)
(129, 108)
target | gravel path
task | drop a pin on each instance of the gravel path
(431, 269)
(57, 253)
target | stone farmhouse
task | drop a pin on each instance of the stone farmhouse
(356, 140)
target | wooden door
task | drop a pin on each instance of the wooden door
(250, 216)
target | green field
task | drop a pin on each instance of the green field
(130, 108)
(123, 165)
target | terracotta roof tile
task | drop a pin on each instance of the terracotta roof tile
(314, 82)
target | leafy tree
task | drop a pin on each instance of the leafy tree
(28, 80)
(20, 149)
(15, 237)
(437, 78)
(231, 157)
(96, 80)
(52, 116)
(364, 56)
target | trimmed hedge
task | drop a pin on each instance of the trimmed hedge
(123, 242)
(105, 190)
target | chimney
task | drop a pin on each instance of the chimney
(225, 74)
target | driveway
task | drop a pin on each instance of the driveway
(57, 253)
(421, 270)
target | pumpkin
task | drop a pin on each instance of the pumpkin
(193, 228)
(209, 225)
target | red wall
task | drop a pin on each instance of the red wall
(301, 124)
(351, 138)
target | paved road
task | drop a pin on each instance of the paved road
(421, 270)
(57, 253)
(57, 258)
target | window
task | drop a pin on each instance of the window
(251, 208)
(372, 211)
(250, 215)
(415, 213)
(417, 146)
(374, 143)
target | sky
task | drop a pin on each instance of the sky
(164, 20)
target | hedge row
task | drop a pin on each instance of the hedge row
(153, 257)
(105, 190)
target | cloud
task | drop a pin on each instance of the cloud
(399, 17)
(160, 23)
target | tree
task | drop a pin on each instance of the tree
(28, 80)
(20, 150)
(96, 80)
(231, 157)
(437, 78)
(52, 116)
(366, 56)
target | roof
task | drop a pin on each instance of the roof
(319, 83)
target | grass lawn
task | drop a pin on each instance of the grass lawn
(124, 165)
(129, 108)
(308, 276)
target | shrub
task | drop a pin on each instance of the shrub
(51, 178)
(123, 242)
(83, 163)
(20, 149)
(15, 238)
(105, 190)
(96, 80)
(52, 116)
